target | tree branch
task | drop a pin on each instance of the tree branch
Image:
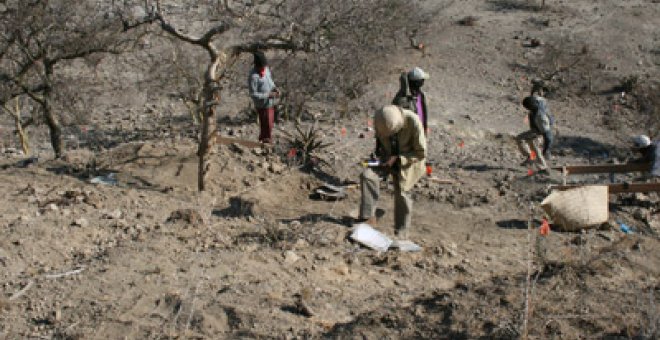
(34, 96)
(269, 44)
(204, 41)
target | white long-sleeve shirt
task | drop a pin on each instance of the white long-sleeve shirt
(260, 88)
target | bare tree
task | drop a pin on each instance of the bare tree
(328, 47)
(39, 35)
(15, 111)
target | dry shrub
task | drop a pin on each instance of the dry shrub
(277, 235)
(42, 38)
(635, 104)
(566, 66)
(647, 103)
(350, 41)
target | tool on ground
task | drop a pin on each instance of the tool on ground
(372, 164)
(331, 192)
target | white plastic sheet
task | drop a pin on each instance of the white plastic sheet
(109, 179)
(370, 237)
(406, 246)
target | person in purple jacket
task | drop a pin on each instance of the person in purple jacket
(410, 95)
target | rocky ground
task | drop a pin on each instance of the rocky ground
(141, 254)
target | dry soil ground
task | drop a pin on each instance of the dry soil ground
(256, 256)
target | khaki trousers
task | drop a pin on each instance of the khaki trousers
(528, 141)
(370, 187)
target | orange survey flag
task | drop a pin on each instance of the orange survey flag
(545, 228)
(532, 155)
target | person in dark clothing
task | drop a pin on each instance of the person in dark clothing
(263, 93)
(650, 152)
(410, 95)
(540, 125)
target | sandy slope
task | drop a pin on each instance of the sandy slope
(94, 261)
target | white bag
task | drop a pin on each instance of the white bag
(578, 208)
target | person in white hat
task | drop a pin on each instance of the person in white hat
(650, 152)
(410, 95)
(401, 147)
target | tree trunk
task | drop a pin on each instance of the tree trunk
(54, 128)
(22, 135)
(53, 123)
(211, 96)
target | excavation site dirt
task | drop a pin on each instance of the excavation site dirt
(114, 241)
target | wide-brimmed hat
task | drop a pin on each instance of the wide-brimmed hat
(388, 120)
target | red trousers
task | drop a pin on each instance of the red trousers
(266, 122)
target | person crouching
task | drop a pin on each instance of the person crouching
(540, 125)
(650, 153)
(401, 149)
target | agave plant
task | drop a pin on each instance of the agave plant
(307, 143)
